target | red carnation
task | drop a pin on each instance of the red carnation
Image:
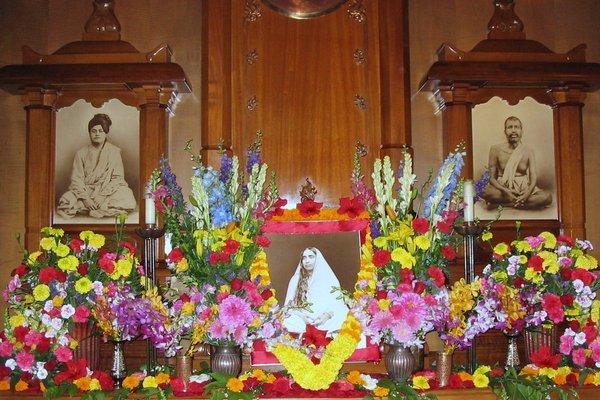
(437, 275)
(21, 270)
(585, 276)
(236, 284)
(262, 241)
(518, 282)
(444, 227)
(76, 245)
(82, 313)
(127, 245)
(419, 287)
(591, 333)
(82, 269)
(406, 276)
(175, 255)
(47, 275)
(381, 294)
(567, 299)
(353, 207)
(251, 383)
(106, 262)
(281, 385)
(266, 294)
(381, 258)
(544, 358)
(231, 246)
(60, 276)
(420, 225)
(553, 306)
(106, 382)
(214, 258)
(566, 273)
(448, 253)
(535, 263)
(575, 325)
(566, 239)
(455, 382)
(177, 385)
(42, 347)
(20, 332)
(184, 297)
(308, 207)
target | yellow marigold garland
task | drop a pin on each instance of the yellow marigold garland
(300, 367)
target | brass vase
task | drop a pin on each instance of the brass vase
(539, 337)
(443, 367)
(399, 362)
(183, 369)
(226, 359)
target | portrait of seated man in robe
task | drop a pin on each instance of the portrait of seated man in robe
(513, 173)
(309, 299)
(97, 187)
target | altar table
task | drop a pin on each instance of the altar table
(585, 393)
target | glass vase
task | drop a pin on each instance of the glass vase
(399, 362)
(118, 370)
(226, 359)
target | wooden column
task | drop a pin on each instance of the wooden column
(39, 189)
(456, 107)
(569, 157)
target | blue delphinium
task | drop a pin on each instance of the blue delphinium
(456, 162)
(226, 168)
(221, 209)
(170, 181)
(481, 184)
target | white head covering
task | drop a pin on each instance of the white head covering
(319, 295)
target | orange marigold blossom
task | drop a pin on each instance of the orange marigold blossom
(381, 391)
(560, 379)
(465, 376)
(162, 378)
(5, 384)
(355, 378)
(131, 382)
(21, 386)
(83, 383)
(235, 385)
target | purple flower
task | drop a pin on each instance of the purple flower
(481, 184)
(226, 168)
(235, 312)
(534, 241)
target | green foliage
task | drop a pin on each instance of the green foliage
(403, 391)
(511, 386)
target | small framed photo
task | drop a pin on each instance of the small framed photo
(516, 144)
(97, 164)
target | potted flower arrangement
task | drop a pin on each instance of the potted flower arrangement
(216, 238)
(411, 251)
(542, 280)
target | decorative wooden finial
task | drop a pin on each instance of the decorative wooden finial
(505, 24)
(102, 24)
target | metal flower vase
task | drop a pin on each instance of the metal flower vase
(118, 370)
(512, 352)
(399, 362)
(443, 367)
(183, 369)
(539, 337)
(226, 359)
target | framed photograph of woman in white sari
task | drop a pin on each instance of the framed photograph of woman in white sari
(515, 143)
(97, 163)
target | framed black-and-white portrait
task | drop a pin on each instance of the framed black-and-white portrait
(97, 163)
(516, 144)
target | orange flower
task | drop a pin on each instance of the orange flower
(21, 386)
(560, 379)
(381, 391)
(5, 384)
(131, 382)
(527, 370)
(235, 385)
(83, 383)
(162, 378)
(465, 376)
(355, 378)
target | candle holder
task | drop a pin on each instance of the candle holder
(470, 231)
(151, 233)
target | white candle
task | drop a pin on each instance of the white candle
(150, 212)
(468, 194)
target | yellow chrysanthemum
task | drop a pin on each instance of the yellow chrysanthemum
(83, 383)
(549, 240)
(68, 263)
(481, 380)
(381, 242)
(595, 313)
(131, 382)
(49, 231)
(41, 292)
(501, 249)
(95, 384)
(235, 385)
(149, 382)
(123, 268)
(58, 301)
(422, 242)
(61, 250)
(94, 240)
(17, 320)
(420, 383)
(259, 374)
(597, 379)
(483, 369)
(586, 261)
(48, 243)
(381, 391)
(83, 285)
(522, 246)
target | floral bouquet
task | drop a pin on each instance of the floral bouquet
(216, 239)
(411, 250)
(542, 279)
(580, 342)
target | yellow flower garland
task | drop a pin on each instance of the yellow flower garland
(300, 367)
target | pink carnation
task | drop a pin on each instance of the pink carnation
(239, 334)
(63, 354)
(402, 333)
(234, 312)
(33, 338)
(381, 321)
(25, 360)
(595, 347)
(82, 313)
(6, 349)
(579, 357)
(566, 344)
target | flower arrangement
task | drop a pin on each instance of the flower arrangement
(542, 279)
(216, 238)
(580, 342)
(411, 250)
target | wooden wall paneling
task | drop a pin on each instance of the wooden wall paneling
(40, 130)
